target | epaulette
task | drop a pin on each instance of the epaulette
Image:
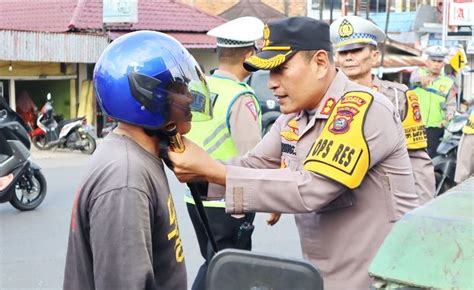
(398, 86)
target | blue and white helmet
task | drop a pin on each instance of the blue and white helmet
(148, 79)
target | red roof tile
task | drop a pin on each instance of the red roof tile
(66, 15)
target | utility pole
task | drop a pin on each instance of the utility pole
(384, 51)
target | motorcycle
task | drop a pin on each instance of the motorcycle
(72, 134)
(26, 189)
(445, 162)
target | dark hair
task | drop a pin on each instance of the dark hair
(308, 55)
(232, 55)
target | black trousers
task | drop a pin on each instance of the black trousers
(225, 229)
(434, 138)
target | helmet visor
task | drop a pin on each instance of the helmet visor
(179, 93)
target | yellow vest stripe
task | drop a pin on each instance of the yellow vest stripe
(218, 143)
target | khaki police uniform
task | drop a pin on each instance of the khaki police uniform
(465, 158)
(342, 227)
(353, 32)
(422, 166)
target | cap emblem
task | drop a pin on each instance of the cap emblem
(345, 29)
(266, 35)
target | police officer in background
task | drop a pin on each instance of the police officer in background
(355, 40)
(233, 131)
(465, 158)
(337, 155)
(436, 93)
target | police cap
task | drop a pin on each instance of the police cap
(351, 32)
(437, 52)
(239, 32)
(284, 37)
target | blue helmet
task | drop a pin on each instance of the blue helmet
(148, 79)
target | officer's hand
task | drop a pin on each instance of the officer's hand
(194, 164)
(273, 218)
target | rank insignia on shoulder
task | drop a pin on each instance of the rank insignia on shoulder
(328, 106)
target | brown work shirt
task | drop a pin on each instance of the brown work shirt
(340, 229)
(423, 170)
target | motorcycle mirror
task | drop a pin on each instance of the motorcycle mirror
(234, 269)
(48, 96)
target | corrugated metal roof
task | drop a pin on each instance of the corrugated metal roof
(51, 47)
(189, 40)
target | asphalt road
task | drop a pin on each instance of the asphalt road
(33, 244)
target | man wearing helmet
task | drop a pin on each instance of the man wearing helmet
(124, 231)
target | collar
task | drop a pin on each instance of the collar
(333, 94)
(376, 83)
(225, 75)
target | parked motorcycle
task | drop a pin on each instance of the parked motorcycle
(445, 162)
(72, 134)
(27, 188)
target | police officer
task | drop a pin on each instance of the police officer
(337, 155)
(234, 130)
(465, 158)
(436, 93)
(355, 40)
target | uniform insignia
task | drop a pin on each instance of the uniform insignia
(292, 133)
(266, 35)
(415, 133)
(327, 109)
(253, 110)
(343, 119)
(345, 29)
(442, 88)
(341, 157)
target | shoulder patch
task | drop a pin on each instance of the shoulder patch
(340, 152)
(252, 108)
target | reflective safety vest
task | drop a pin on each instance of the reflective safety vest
(431, 107)
(441, 86)
(215, 135)
(413, 124)
(469, 128)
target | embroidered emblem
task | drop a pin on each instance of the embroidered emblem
(268, 63)
(442, 88)
(345, 29)
(342, 120)
(292, 133)
(328, 106)
(251, 107)
(266, 35)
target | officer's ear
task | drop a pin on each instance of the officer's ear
(323, 61)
